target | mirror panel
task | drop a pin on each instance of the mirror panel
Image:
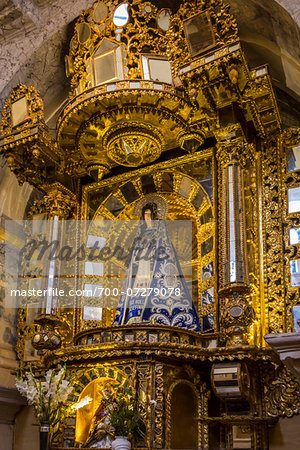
(295, 272)
(93, 268)
(121, 15)
(119, 62)
(129, 192)
(296, 318)
(207, 246)
(294, 236)
(294, 199)
(160, 70)
(167, 184)
(100, 12)
(148, 184)
(293, 158)
(208, 296)
(83, 32)
(105, 47)
(95, 242)
(198, 199)
(199, 33)
(92, 313)
(207, 271)
(185, 187)
(105, 68)
(163, 19)
(114, 205)
(208, 322)
(19, 111)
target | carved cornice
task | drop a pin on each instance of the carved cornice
(134, 341)
(58, 201)
(234, 152)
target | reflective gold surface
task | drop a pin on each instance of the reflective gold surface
(176, 109)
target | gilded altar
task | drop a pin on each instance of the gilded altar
(163, 103)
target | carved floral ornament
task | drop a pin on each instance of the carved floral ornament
(55, 203)
(236, 315)
(133, 144)
(282, 395)
(149, 31)
(133, 36)
(291, 137)
(235, 151)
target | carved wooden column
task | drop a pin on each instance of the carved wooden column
(234, 310)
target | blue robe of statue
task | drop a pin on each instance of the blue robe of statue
(155, 280)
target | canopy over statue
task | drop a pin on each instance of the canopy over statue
(154, 276)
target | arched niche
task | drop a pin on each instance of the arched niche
(188, 200)
(88, 384)
(183, 410)
(85, 414)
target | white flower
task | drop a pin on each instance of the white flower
(48, 376)
(22, 386)
(32, 395)
(63, 385)
(58, 377)
(46, 396)
(28, 389)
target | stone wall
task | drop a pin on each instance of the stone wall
(285, 435)
(292, 7)
(13, 201)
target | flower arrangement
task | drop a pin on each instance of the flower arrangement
(47, 397)
(127, 416)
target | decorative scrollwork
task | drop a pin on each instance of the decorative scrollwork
(132, 144)
(234, 152)
(291, 136)
(236, 313)
(141, 34)
(160, 405)
(282, 396)
(272, 218)
(57, 202)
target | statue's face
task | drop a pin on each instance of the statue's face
(147, 216)
(107, 391)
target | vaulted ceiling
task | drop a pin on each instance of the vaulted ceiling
(35, 36)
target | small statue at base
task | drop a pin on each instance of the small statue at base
(101, 432)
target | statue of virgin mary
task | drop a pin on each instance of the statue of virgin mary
(154, 289)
